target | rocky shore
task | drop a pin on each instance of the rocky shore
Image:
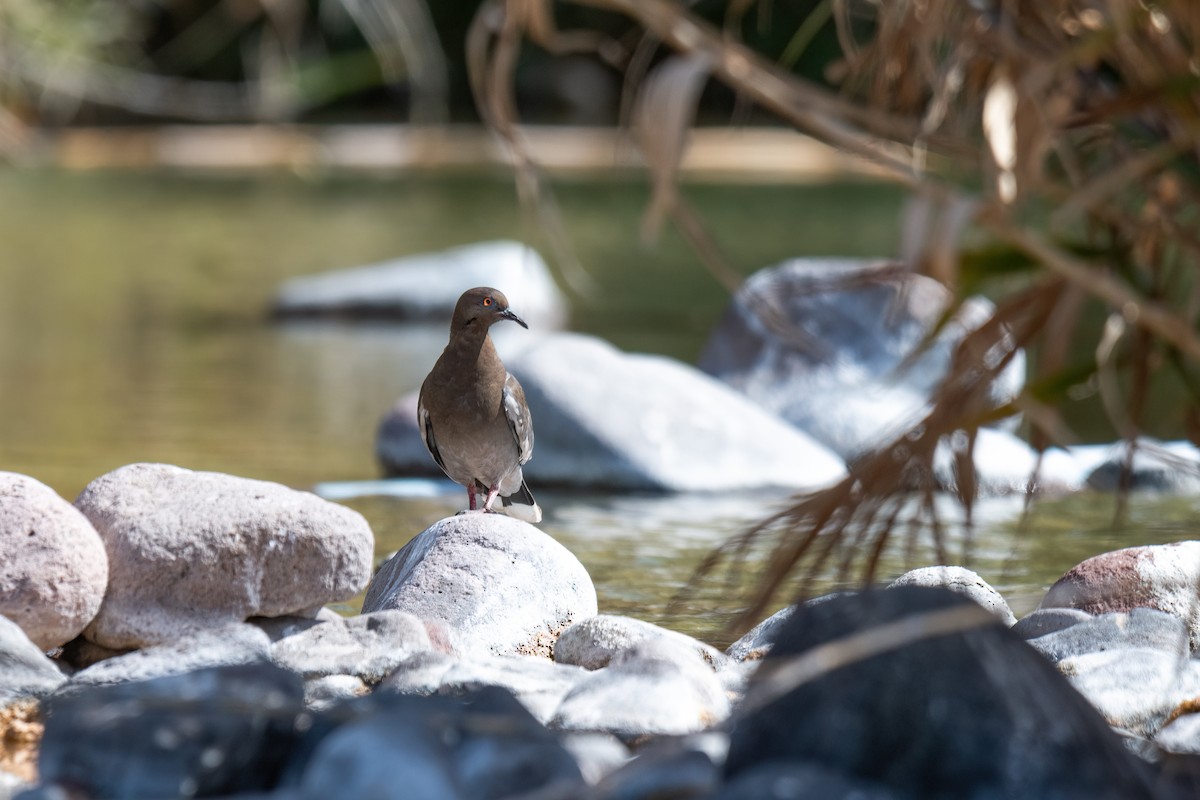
(173, 643)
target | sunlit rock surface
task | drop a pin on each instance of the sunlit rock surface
(53, 568)
(426, 286)
(488, 583)
(828, 344)
(192, 550)
(612, 420)
(25, 671)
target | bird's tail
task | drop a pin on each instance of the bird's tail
(520, 504)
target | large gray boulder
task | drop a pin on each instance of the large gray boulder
(54, 570)
(822, 342)
(425, 287)
(612, 420)
(193, 550)
(487, 583)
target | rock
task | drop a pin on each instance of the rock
(651, 688)
(192, 550)
(426, 286)
(1172, 467)
(1164, 577)
(756, 642)
(1048, 620)
(615, 421)
(665, 768)
(54, 571)
(326, 691)
(786, 780)
(282, 627)
(368, 646)
(209, 732)
(962, 581)
(495, 584)
(1133, 688)
(593, 642)
(229, 645)
(1181, 735)
(11, 785)
(1005, 465)
(419, 674)
(538, 684)
(597, 754)
(897, 715)
(821, 342)
(25, 671)
(1140, 629)
(411, 748)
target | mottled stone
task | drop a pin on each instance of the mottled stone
(54, 570)
(192, 550)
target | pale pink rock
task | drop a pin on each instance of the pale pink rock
(53, 569)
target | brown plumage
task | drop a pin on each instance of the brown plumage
(472, 413)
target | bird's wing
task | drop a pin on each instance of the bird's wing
(426, 427)
(519, 419)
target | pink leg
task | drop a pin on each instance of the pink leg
(491, 497)
(471, 494)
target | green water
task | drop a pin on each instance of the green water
(133, 328)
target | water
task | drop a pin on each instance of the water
(133, 328)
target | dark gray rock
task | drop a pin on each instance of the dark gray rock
(54, 570)
(1140, 629)
(757, 641)
(821, 342)
(1163, 577)
(671, 767)
(1171, 467)
(209, 732)
(25, 671)
(368, 646)
(1048, 620)
(617, 421)
(654, 687)
(495, 584)
(238, 643)
(425, 287)
(194, 550)
(482, 746)
(967, 713)
(785, 780)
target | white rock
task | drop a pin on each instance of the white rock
(367, 647)
(849, 326)
(193, 550)
(593, 642)
(53, 571)
(539, 685)
(962, 581)
(25, 671)
(493, 584)
(426, 286)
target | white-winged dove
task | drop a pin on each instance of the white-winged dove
(472, 413)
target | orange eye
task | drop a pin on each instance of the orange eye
(487, 301)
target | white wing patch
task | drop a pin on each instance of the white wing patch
(519, 419)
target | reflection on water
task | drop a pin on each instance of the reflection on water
(133, 328)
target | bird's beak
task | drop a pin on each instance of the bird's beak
(510, 314)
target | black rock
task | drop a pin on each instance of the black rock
(974, 713)
(476, 747)
(214, 731)
(784, 780)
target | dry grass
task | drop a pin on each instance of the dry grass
(1057, 140)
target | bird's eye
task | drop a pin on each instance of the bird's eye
(487, 301)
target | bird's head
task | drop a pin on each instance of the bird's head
(484, 306)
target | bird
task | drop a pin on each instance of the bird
(472, 413)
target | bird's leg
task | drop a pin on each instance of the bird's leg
(491, 498)
(471, 494)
